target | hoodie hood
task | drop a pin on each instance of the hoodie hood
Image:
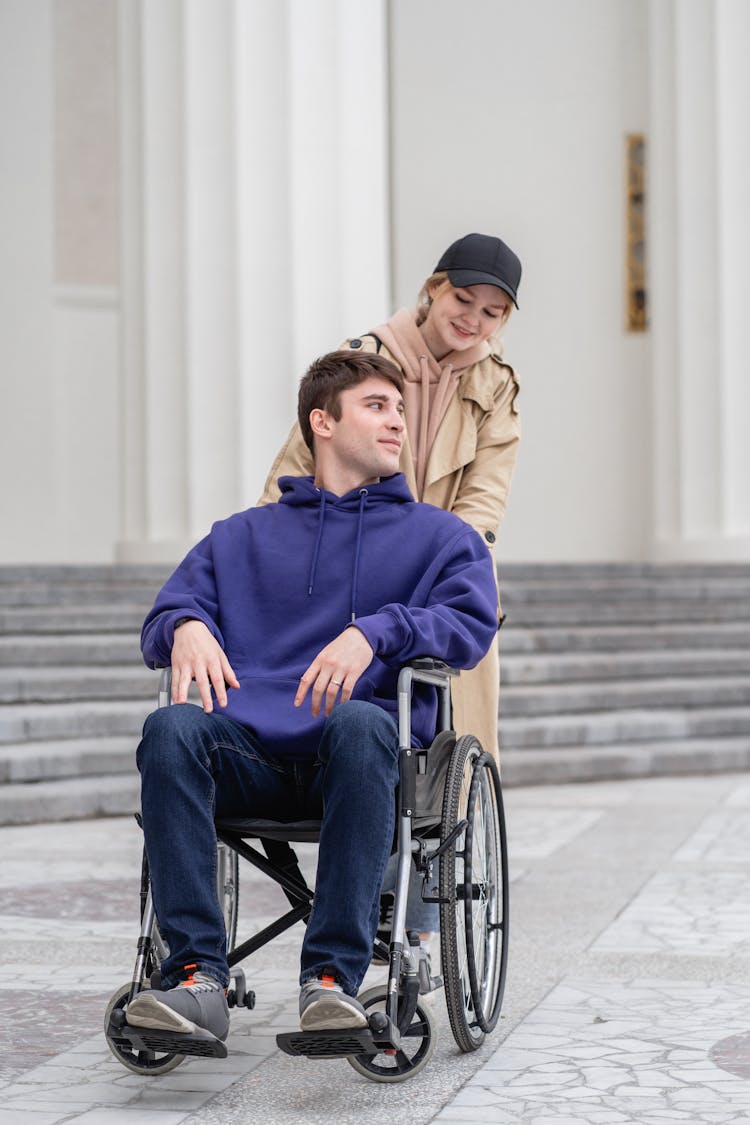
(302, 491)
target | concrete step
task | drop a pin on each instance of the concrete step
(73, 584)
(583, 572)
(37, 722)
(81, 757)
(536, 668)
(643, 759)
(91, 649)
(587, 591)
(613, 695)
(43, 685)
(71, 799)
(608, 670)
(602, 728)
(35, 620)
(610, 612)
(515, 638)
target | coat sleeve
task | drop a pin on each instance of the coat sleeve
(294, 459)
(189, 592)
(485, 483)
(457, 618)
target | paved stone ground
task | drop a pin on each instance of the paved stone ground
(628, 994)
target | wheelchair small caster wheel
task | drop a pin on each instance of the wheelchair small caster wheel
(378, 1022)
(418, 1043)
(140, 1062)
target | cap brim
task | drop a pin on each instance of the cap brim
(463, 278)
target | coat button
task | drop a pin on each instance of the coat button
(490, 536)
(355, 343)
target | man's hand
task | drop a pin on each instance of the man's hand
(335, 669)
(197, 655)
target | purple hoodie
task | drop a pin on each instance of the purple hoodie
(278, 583)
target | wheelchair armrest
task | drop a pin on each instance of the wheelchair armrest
(430, 664)
(423, 670)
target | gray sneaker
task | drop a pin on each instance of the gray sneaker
(324, 1006)
(198, 1004)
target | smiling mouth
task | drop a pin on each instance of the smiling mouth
(462, 331)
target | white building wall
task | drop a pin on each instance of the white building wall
(28, 522)
(700, 277)
(511, 120)
(238, 229)
(198, 197)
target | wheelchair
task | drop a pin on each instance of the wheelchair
(451, 829)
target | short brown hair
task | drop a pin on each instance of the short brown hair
(321, 386)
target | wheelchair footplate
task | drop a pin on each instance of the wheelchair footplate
(381, 1035)
(199, 1042)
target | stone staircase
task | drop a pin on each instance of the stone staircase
(73, 689)
(611, 670)
(623, 670)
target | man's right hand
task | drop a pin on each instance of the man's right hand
(197, 655)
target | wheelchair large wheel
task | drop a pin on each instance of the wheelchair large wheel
(418, 1044)
(474, 895)
(140, 1062)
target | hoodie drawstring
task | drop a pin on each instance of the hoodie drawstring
(357, 548)
(316, 551)
(355, 573)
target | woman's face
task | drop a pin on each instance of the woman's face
(460, 318)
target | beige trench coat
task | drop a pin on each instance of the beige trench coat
(469, 470)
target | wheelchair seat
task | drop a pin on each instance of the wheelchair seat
(292, 831)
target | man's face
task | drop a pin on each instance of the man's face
(367, 439)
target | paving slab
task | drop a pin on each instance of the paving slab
(628, 996)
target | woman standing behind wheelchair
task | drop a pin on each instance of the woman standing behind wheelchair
(461, 417)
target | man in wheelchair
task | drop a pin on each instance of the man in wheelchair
(293, 620)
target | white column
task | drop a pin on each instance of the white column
(662, 280)
(339, 170)
(733, 159)
(266, 325)
(162, 186)
(697, 270)
(700, 180)
(255, 232)
(153, 394)
(211, 307)
(28, 520)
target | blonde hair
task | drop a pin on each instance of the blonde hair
(435, 284)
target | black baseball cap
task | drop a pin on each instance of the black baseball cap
(480, 259)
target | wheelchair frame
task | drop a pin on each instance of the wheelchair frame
(452, 788)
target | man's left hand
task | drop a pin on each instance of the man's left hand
(335, 670)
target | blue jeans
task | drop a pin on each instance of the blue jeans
(196, 767)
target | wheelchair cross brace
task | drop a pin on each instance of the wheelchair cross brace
(291, 882)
